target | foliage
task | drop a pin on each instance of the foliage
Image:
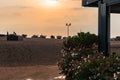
(24, 35)
(43, 36)
(80, 60)
(52, 37)
(81, 40)
(35, 36)
(59, 37)
(64, 37)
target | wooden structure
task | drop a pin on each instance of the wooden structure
(105, 7)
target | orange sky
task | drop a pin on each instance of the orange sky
(39, 17)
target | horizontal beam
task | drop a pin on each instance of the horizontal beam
(89, 2)
(114, 4)
(94, 3)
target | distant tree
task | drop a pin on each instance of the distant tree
(24, 35)
(2, 35)
(35, 36)
(43, 36)
(52, 37)
(64, 37)
(20, 38)
(59, 37)
(117, 38)
(14, 33)
(69, 37)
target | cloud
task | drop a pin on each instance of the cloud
(22, 7)
(16, 7)
(76, 0)
(17, 14)
(78, 8)
(83, 9)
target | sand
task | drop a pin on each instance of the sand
(33, 59)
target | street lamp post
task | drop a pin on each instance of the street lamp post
(68, 25)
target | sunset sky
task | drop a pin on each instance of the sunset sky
(48, 17)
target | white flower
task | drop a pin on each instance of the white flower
(73, 54)
(78, 67)
(118, 73)
(103, 57)
(117, 58)
(98, 74)
(85, 59)
(115, 76)
(60, 77)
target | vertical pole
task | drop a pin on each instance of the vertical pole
(104, 28)
(68, 26)
(68, 30)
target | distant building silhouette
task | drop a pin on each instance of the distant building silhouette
(14, 37)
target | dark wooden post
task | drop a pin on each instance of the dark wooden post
(104, 28)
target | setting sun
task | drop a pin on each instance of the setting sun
(51, 2)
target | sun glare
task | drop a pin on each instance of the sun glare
(49, 3)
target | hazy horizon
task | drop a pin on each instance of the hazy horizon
(48, 17)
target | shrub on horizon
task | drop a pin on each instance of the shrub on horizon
(81, 41)
(64, 37)
(34, 36)
(59, 37)
(52, 37)
(24, 35)
(43, 36)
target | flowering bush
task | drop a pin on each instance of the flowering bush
(82, 62)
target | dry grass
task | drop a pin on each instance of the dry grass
(40, 72)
